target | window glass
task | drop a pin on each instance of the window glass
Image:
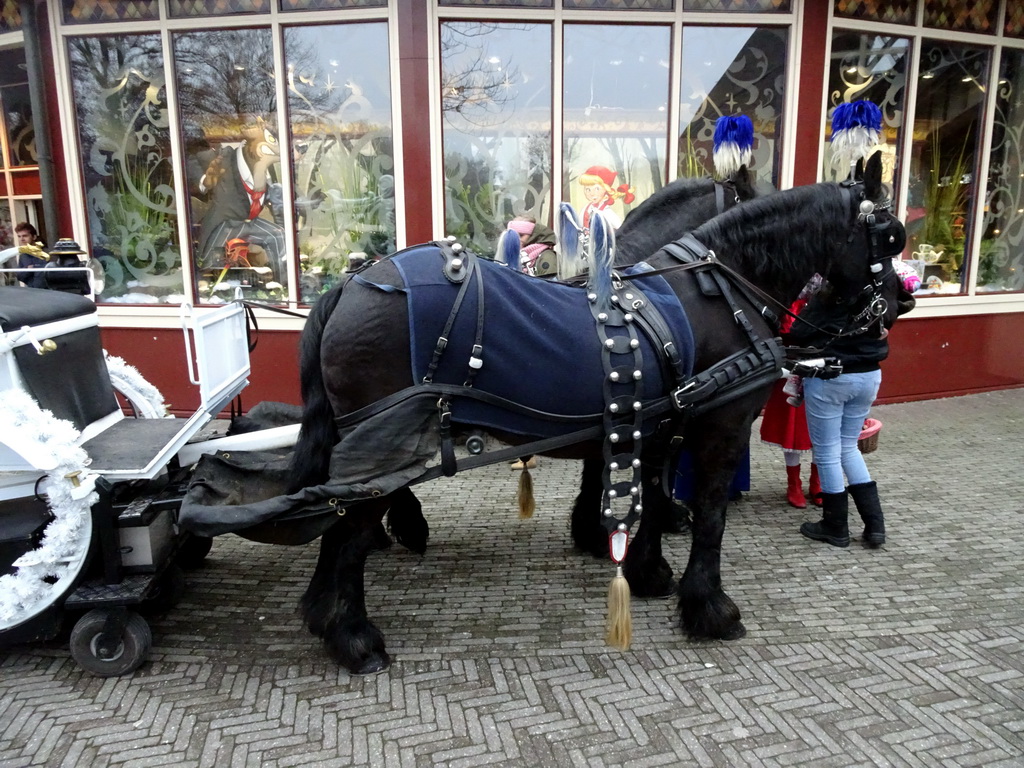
(7, 238)
(121, 109)
(1001, 257)
(216, 7)
(91, 11)
(897, 11)
(962, 15)
(731, 71)
(941, 195)
(496, 127)
(21, 135)
(616, 91)
(342, 152)
(226, 93)
(871, 67)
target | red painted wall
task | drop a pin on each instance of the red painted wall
(159, 355)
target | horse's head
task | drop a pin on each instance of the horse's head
(860, 266)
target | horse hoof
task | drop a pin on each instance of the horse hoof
(372, 665)
(736, 632)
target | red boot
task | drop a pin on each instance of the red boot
(794, 493)
(814, 487)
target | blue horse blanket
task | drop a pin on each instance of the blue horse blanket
(540, 347)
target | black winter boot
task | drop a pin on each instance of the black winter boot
(865, 498)
(832, 528)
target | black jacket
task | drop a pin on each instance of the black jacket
(858, 352)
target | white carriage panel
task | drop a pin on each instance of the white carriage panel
(222, 355)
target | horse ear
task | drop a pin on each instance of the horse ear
(743, 181)
(873, 177)
(858, 171)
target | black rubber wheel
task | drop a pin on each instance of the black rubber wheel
(192, 550)
(131, 649)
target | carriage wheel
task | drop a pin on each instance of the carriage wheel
(107, 644)
(192, 550)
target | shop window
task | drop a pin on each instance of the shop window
(21, 135)
(620, 5)
(496, 127)
(325, 5)
(731, 71)
(192, 8)
(961, 15)
(942, 190)
(92, 11)
(342, 151)
(7, 238)
(893, 11)
(10, 17)
(120, 102)
(1001, 255)
(616, 95)
(871, 67)
(1014, 26)
(732, 6)
(492, 3)
(226, 94)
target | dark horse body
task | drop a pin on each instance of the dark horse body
(665, 216)
(777, 243)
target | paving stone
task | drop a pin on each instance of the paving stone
(911, 655)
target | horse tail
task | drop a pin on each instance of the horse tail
(509, 249)
(312, 457)
(568, 233)
(600, 254)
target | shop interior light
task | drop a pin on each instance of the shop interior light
(927, 75)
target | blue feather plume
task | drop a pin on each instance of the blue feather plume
(734, 141)
(567, 234)
(856, 131)
(600, 254)
(510, 249)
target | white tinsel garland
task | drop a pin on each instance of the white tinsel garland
(47, 572)
(127, 380)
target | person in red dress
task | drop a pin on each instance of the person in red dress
(785, 425)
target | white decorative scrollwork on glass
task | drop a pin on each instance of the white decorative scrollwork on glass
(731, 71)
(1001, 255)
(339, 113)
(120, 101)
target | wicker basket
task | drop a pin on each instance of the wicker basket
(868, 440)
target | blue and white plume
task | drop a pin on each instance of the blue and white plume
(509, 250)
(856, 131)
(600, 255)
(572, 260)
(734, 140)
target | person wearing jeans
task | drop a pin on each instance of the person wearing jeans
(837, 407)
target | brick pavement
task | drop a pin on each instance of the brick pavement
(908, 656)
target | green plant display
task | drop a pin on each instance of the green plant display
(945, 201)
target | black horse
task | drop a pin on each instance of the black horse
(667, 215)
(773, 244)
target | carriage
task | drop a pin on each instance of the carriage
(88, 495)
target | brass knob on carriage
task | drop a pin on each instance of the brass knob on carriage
(47, 345)
(74, 477)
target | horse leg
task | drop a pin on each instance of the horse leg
(334, 605)
(705, 611)
(645, 568)
(406, 521)
(588, 532)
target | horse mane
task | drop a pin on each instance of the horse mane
(780, 240)
(667, 210)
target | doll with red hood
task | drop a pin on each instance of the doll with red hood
(599, 188)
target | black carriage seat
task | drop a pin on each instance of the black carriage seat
(73, 382)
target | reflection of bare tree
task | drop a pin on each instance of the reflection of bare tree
(471, 86)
